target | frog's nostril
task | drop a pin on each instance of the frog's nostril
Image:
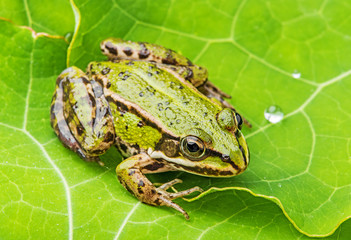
(225, 158)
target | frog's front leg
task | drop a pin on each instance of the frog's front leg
(80, 115)
(131, 174)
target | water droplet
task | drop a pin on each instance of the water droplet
(68, 36)
(296, 74)
(170, 114)
(273, 114)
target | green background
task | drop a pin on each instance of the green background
(298, 184)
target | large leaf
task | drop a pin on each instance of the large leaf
(250, 48)
(53, 17)
(253, 48)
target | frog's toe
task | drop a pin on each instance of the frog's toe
(165, 198)
(169, 184)
(185, 192)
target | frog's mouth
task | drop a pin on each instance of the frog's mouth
(243, 147)
(238, 163)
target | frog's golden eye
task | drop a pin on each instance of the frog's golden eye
(239, 120)
(193, 147)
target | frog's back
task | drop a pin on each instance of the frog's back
(157, 94)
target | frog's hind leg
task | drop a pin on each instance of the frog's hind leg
(131, 172)
(117, 49)
(80, 115)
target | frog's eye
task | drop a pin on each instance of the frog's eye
(239, 120)
(193, 147)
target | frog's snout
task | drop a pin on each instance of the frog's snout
(237, 159)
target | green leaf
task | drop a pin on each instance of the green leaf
(53, 17)
(251, 49)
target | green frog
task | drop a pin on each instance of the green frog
(161, 112)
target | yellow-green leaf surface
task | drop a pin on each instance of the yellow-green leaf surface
(53, 17)
(251, 48)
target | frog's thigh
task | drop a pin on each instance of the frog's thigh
(80, 114)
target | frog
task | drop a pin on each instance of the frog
(161, 112)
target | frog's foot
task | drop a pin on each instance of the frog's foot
(130, 173)
(166, 198)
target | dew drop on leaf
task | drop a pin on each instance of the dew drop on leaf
(68, 36)
(273, 114)
(296, 74)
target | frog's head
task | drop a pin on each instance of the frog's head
(220, 151)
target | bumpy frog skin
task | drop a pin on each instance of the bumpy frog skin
(160, 111)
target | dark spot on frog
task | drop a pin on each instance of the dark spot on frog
(136, 146)
(123, 147)
(108, 85)
(158, 201)
(140, 191)
(131, 172)
(144, 52)
(80, 130)
(109, 137)
(130, 63)
(153, 191)
(149, 74)
(157, 72)
(112, 49)
(105, 71)
(140, 124)
(166, 103)
(160, 106)
(128, 51)
(190, 74)
(127, 127)
(190, 63)
(125, 77)
(180, 87)
(154, 166)
(121, 112)
(141, 94)
(120, 74)
(205, 114)
(85, 81)
(141, 183)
